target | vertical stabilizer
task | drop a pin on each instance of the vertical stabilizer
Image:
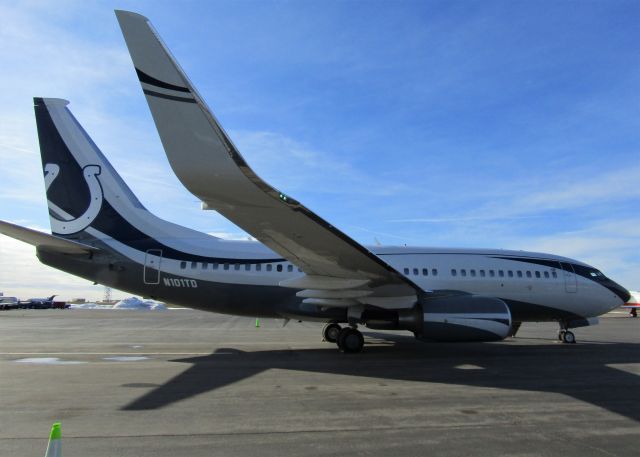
(79, 180)
(87, 198)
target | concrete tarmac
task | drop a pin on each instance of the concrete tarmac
(187, 383)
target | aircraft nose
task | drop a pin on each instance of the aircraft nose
(618, 290)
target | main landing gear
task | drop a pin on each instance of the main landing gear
(330, 333)
(348, 339)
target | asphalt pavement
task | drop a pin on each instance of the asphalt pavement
(188, 383)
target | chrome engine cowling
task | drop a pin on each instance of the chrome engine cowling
(451, 318)
(466, 318)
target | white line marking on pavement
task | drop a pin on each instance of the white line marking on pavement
(116, 353)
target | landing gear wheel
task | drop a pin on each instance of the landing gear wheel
(330, 333)
(561, 335)
(350, 340)
(568, 337)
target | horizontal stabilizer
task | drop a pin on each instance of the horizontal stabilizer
(44, 240)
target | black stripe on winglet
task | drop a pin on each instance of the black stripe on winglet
(168, 97)
(145, 78)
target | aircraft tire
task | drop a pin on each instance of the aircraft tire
(330, 332)
(568, 337)
(350, 341)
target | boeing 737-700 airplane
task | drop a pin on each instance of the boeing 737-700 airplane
(302, 267)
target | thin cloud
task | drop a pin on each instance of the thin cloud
(461, 219)
(607, 245)
(290, 164)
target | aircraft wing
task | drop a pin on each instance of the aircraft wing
(44, 240)
(211, 167)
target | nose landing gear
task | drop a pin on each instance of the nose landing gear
(565, 335)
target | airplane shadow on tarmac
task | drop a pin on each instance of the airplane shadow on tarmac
(580, 371)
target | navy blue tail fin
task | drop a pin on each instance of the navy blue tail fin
(79, 180)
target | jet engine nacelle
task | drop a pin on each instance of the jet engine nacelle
(465, 318)
(452, 318)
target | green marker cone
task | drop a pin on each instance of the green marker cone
(257, 323)
(54, 449)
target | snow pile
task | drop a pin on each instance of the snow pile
(135, 303)
(89, 306)
(49, 361)
(132, 303)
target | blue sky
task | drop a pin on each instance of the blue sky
(506, 124)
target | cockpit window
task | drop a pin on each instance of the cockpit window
(597, 275)
(589, 272)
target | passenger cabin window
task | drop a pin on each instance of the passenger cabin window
(194, 264)
(510, 273)
(554, 274)
(269, 267)
(528, 274)
(236, 266)
(425, 272)
(406, 271)
(204, 265)
(225, 266)
(183, 265)
(215, 266)
(415, 271)
(463, 272)
(454, 272)
(537, 274)
(472, 273)
(492, 273)
(289, 268)
(482, 273)
(501, 273)
(519, 274)
(247, 267)
(434, 272)
(279, 267)
(258, 267)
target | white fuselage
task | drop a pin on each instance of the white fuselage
(527, 277)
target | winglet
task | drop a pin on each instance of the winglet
(154, 64)
(205, 160)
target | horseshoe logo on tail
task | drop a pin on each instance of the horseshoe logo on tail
(66, 227)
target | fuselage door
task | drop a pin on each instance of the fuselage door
(570, 280)
(152, 261)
